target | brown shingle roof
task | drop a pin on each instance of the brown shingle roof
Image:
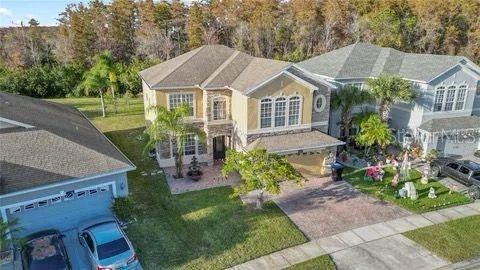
(293, 142)
(62, 145)
(212, 66)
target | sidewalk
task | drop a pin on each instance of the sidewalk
(355, 237)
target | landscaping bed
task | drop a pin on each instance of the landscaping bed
(209, 229)
(456, 240)
(323, 262)
(383, 190)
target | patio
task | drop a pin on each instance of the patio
(211, 178)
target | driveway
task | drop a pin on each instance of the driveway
(77, 254)
(322, 208)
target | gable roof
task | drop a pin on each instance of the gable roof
(363, 60)
(210, 67)
(53, 143)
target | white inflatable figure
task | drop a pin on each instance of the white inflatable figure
(405, 168)
(425, 174)
(411, 190)
(431, 193)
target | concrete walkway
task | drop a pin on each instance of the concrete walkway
(348, 240)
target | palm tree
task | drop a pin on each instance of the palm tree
(390, 89)
(6, 230)
(101, 77)
(346, 99)
(373, 132)
(171, 125)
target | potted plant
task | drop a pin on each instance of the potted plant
(194, 172)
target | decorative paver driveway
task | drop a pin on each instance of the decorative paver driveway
(321, 207)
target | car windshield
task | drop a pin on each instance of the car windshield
(476, 175)
(111, 249)
(45, 253)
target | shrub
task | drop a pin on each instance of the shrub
(124, 209)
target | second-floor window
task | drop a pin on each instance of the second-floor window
(280, 112)
(176, 99)
(266, 113)
(219, 109)
(450, 99)
(461, 95)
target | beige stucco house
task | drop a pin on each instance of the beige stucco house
(243, 102)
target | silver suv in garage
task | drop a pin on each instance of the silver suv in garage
(464, 171)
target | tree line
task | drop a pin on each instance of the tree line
(46, 62)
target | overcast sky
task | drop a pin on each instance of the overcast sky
(12, 12)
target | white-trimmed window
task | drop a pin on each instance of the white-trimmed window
(294, 111)
(219, 109)
(176, 99)
(81, 194)
(450, 98)
(16, 209)
(29, 206)
(439, 95)
(43, 203)
(358, 85)
(280, 112)
(319, 103)
(104, 188)
(189, 145)
(461, 95)
(55, 200)
(69, 195)
(266, 113)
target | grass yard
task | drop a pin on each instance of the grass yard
(207, 229)
(320, 263)
(455, 241)
(384, 191)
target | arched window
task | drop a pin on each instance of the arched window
(461, 95)
(439, 95)
(266, 113)
(319, 103)
(219, 109)
(294, 111)
(450, 98)
(280, 112)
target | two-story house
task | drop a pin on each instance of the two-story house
(445, 114)
(241, 102)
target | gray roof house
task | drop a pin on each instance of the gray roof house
(448, 89)
(56, 168)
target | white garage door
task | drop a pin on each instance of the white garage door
(63, 212)
(460, 148)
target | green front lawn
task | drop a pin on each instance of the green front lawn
(319, 263)
(384, 191)
(455, 241)
(207, 229)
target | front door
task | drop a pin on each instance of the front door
(219, 147)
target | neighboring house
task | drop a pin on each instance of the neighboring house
(56, 168)
(444, 116)
(242, 102)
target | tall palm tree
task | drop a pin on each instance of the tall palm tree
(171, 125)
(101, 77)
(388, 90)
(346, 99)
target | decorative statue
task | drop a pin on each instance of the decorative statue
(395, 180)
(431, 193)
(405, 168)
(194, 172)
(425, 174)
(411, 190)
